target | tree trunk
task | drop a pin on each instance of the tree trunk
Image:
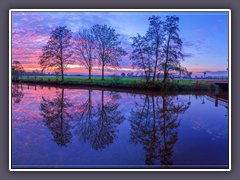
(89, 73)
(146, 76)
(156, 62)
(102, 71)
(165, 73)
(62, 74)
(62, 62)
(166, 62)
(154, 73)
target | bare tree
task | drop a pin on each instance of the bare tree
(173, 46)
(109, 51)
(142, 55)
(84, 49)
(155, 36)
(56, 54)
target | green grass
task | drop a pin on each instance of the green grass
(125, 82)
(85, 79)
(189, 81)
(120, 80)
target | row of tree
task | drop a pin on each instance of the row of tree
(97, 43)
(160, 49)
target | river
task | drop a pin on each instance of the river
(55, 127)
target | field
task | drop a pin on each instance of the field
(107, 80)
(122, 82)
(85, 79)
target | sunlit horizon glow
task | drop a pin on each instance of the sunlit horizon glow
(204, 35)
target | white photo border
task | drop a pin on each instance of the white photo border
(119, 10)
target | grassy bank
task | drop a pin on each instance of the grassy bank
(118, 82)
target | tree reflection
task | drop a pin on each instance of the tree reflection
(17, 92)
(98, 124)
(154, 124)
(56, 117)
(84, 115)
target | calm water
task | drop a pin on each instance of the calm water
(87, 128)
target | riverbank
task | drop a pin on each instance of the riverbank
(122, 83)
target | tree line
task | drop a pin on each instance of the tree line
(99, 43)
(159, 50)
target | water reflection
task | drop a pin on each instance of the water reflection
(17, 93)
(88, 126)
(154, 124)
(56, 116)
(98, 124)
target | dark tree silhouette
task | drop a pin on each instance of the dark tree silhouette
(98, 124)
(56, 117)
(85, 49)
(172, 50)
(17, 70)
(154, 124)
(17, 92)
(204, 74)
(56, 54)
(155, 36)
(189, 74)
(160, 48)
(142, 55)
(123, 74)
(108, 46)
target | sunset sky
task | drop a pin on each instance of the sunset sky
(205, 36)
